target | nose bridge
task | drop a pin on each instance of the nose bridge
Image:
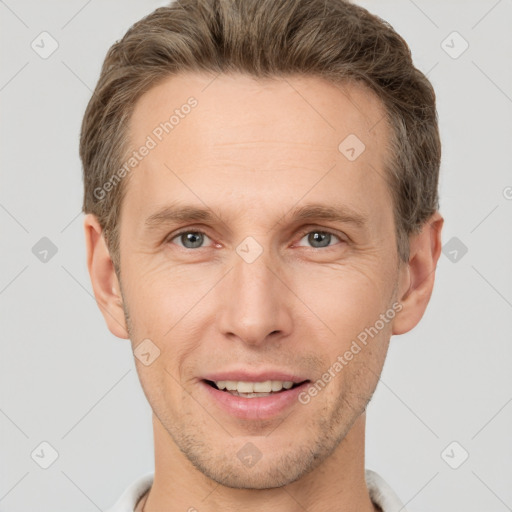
(254, 304)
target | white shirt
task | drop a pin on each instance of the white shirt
(380, 493)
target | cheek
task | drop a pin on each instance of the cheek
(166, 307)
(346, 298)
(161, 386)
(160, 295)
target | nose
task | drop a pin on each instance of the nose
(255, 306)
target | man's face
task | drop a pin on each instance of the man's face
(256, 291)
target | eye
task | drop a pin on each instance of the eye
(190, 239)
(195, 239)
(319, 239)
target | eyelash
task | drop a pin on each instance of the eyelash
(302, 233)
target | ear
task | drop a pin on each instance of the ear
(418, 274)
(103, 278)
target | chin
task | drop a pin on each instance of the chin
(272, 470)
(267, 476)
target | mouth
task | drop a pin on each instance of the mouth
(250, 403)
(247, 389)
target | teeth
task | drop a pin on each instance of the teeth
(254, 387)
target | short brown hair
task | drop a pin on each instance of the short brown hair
(331, 39)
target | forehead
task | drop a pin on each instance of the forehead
(254, 135)
(259, 105)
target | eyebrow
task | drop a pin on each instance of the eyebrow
(309, 212)
(339, 213)
(178, 214)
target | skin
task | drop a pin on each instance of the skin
(252, 151)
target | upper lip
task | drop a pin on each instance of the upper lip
(252, 376)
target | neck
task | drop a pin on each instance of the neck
(337, 484)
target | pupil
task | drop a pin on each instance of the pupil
(191, 240)
(319, 236)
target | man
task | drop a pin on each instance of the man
(262, 216)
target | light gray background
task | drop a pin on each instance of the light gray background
(66, 380)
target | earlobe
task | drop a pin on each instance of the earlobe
(418, 275)
(103, 278)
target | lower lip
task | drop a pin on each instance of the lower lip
(257, 408)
